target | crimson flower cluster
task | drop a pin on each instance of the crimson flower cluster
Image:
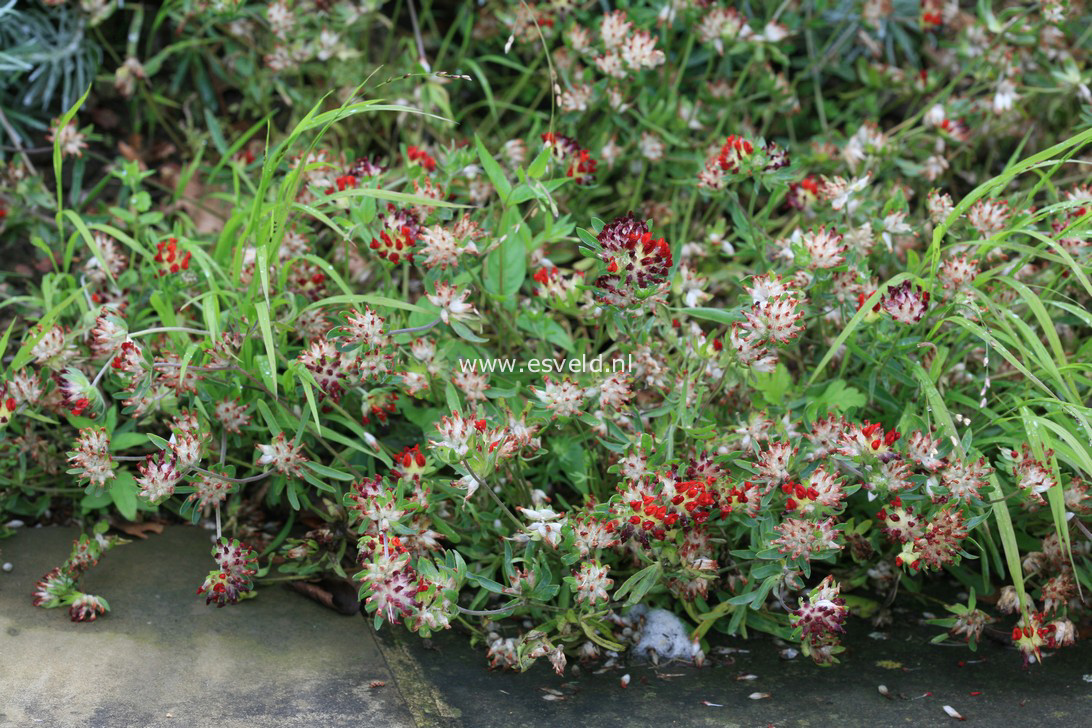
(820, 620)
(636, 263)
(421, 157)
(682, 505)
(737, 157)
(226, 584)
(169, 257)
(59, 587)
(579, 164)
(396, 241)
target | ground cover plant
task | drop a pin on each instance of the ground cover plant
(578, 327)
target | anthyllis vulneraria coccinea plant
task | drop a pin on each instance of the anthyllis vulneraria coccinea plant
(674, 329)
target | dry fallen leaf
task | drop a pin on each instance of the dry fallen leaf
(208, 213)
(138, 530)
(331, 593)
(131, 154)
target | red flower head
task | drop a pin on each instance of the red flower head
(397, 239)
(803, 194)
(342, 183)
(820, 620)
(236, 561)
(169, 258)
(579, 163)
(906, 303)
(365, 167)
(421, 157)
(410, 463)
(637, 265)
(7, 405)
(734, 151)
(87, 608)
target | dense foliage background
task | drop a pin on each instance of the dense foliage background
(283, 268)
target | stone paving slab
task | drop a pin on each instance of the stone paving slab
(163, 658)
(989, 688)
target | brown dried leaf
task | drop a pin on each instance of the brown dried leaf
(138, 530)
(337, 595)
(131, 153)
(208, 213)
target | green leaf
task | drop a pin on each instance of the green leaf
(57, 156)
(588, 238)
(639, 584)
(123, 492)
(89, 239)
(125, 440)
(493, 171)
(451, 397)
(851, 327)
(506, 266)
(546, 328)
(366, 298)
(572, 457)
(1008, 540)
(485, 583)
(317, 483)
(4, 339)
(270, 349)
(328, 471)
(596, 636)
(838, 397)
(158, 441)
(773, 385)
(718, 315)
(267, 415)
(540, 164)
(465, 333)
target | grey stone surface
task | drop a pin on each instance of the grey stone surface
(989, 688)
(161, 657)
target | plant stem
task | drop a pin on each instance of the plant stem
(166, 329)
(485, 486)
(414, 329)
(229, 479)
(102, 372)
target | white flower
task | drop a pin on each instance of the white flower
(540, 514)
(468, 483)
(773, 33)
(842, 192)
(1004, 97)
(549, 532)
(935, 115)
(452, 303)
(614, 28)
(652, 147)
